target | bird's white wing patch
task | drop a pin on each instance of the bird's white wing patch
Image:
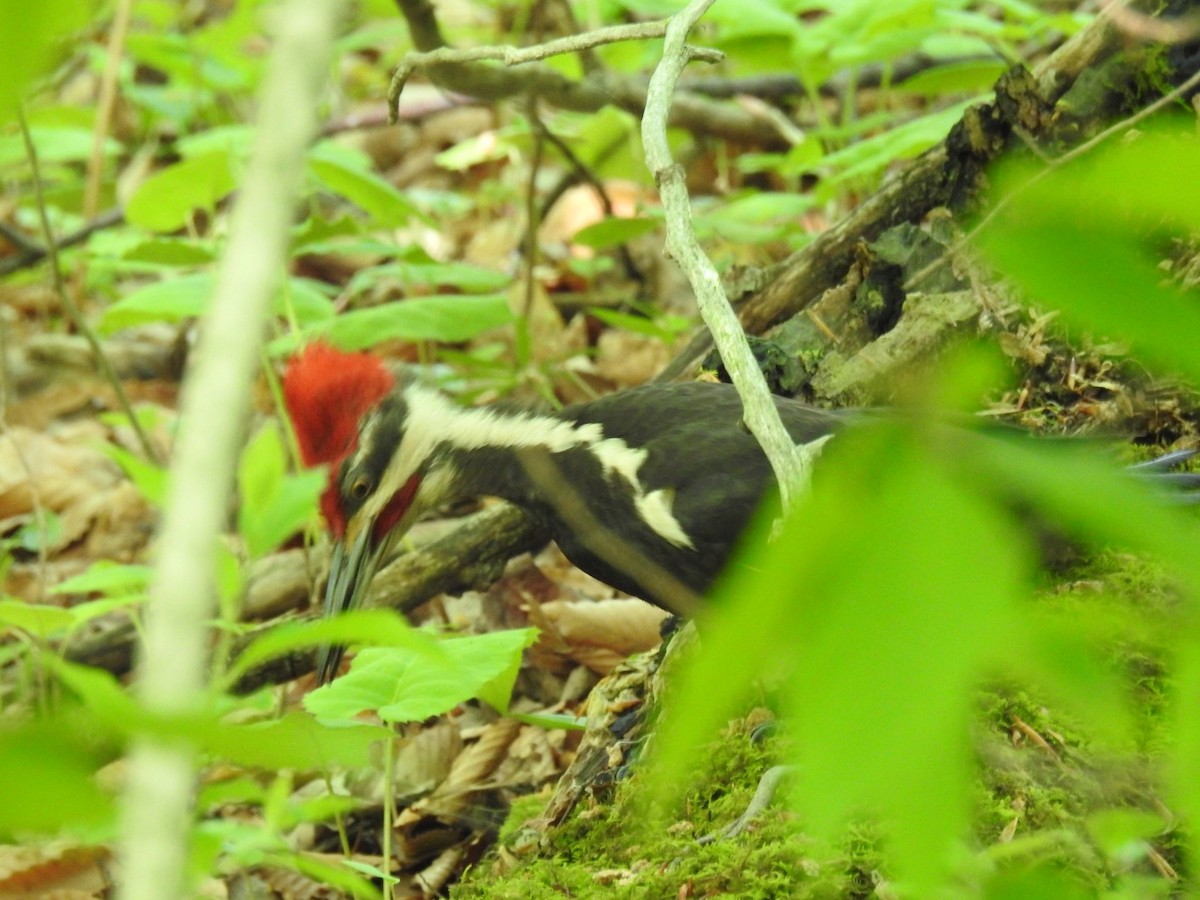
(655, 510)
(617, 456)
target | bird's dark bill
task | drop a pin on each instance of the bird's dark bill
(350, 573)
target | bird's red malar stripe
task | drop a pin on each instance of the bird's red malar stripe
(396, 508)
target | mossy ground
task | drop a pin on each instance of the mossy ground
(1058, 808)
(614, 847)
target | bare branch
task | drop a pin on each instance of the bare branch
(791, 464)
(597, 90)
(33, 253)
(515, 56)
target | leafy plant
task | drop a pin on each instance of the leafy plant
(406, 685)
(915, 585)
(918, 584)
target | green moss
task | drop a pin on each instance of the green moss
(1045, 773)
(610, 848)
(1154, 73)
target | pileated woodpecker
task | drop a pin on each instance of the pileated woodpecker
(635, 514)
(615, 481)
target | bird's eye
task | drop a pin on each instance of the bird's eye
(360, 487)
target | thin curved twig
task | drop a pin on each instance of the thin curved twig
(515, 56)
(33, 253)
(68, 303)
(105, 104)
(594, 91)
(791, 464)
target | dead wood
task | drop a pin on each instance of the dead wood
(1033, 106)
(472, 555)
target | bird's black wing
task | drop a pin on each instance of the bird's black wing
(699, 450)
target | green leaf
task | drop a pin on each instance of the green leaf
(274, 505)
(234, 141)
(333, 874)
(753, 18)
(958, 77)
(757, 217)
(167, 199)
(82, 613)
(871, 156)
(169, 300)
(905, 692)
(385, 205)
(556, 721)
(472, 151)
(183, 59)
(305, 300)
(47, 778)
(1079, 240)
(441, 276)
(186, 296)
(230, 577)
(34, 618)
(1123, 833)
(173, 252)
(663, 328)
(100, 693)
(53, 145)
(613, 231)
(403, 686)
(296, 741)
(36, 535)
(150, 479)
(360, 626)
(33, 33)
(451, 319)
(312, 240)
(107, 577)
(881, 620)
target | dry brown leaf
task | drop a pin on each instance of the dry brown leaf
(100, 514)
(41, 469)
(426, 760)
(476, 764)
(579, 207)
(119, 524)
(295, 886)
(438, 873)
(533, 759)
(54, 870)
(600, 634)
(549, 337)
(30, 580)
(569, 578)
(528, 583)
(450, 815)
(627, 359)
(600, 660)
(52, 402)
(492, 245)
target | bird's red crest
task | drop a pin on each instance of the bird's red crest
(327, 392)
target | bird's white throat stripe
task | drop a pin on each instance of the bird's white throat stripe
(433, 419)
